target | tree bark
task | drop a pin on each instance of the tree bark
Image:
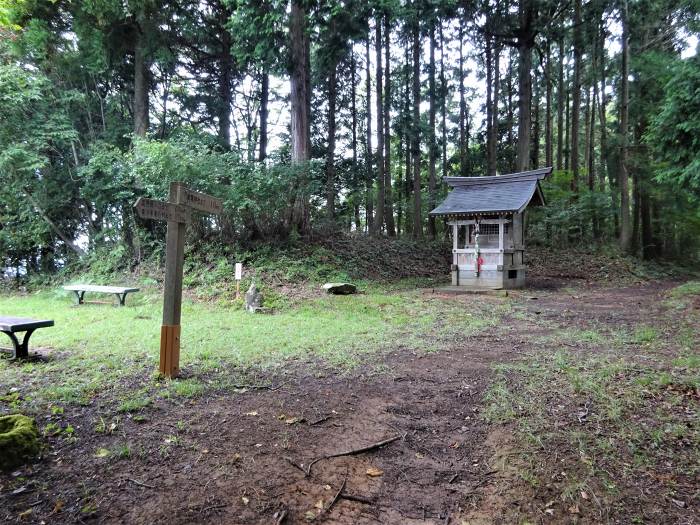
(300, 80)
(432, 153)
(526, 42)
(379, 220)
(369, 205)
(388, 197)
(225, 82)
(417, 222)
(141, 85)
(625, 224)
(535, 150)
(264, 113)
(330, 154)
(353, 144)
(560, 107)
(548, 142)
(463, 169)
(576, 98)
(443, 102)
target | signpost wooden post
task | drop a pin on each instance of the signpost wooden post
(177, 211)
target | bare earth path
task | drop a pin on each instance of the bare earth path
(241, 459)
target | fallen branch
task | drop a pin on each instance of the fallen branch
(295, 464)
(324, 418)
(260, 387)
(335, 498)
(359, 499)
(140, 483)
(352, 452)
(280, 516)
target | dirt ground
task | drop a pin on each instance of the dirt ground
(245, 458)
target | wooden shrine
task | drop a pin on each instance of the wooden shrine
(487, 216)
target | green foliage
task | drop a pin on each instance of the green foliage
(675, 131)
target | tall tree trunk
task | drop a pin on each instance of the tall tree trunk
(567, 130)
(264, 113)
(548, 136)
(379, 221)
(561, 89)
(141, 85)
(225, 82)
(417, 221)
(463, 170)
(576, 97)
(369, 204)
(353, 144)
(625, 223)
(388, 197)
(300, 80)
(591, 146)
(602, 110)
(432, 153)
(408, 132)
(443, 102)
(648, 243)
(535, 151)
(526, 42)
(330, 155)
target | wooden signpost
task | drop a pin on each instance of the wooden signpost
(177, 211)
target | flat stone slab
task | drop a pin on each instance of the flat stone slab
(340, 288)
(471, 290)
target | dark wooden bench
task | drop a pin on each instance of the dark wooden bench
(80, 289)
(15, 325)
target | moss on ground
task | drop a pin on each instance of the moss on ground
(19, 440)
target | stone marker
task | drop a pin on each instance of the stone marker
(340, 288)
(253, 299)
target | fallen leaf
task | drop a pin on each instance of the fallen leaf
(236, 456)
(319, 504)
(419, 455)
(549, 511)
(327, 487)
(310, 515)
(245, 500)
(291, 420)
(102, 453)
(454, 445)
(574, 509)
(374, 472)
(253, 413)
(584, 494)
(58, 506)
(25, 514)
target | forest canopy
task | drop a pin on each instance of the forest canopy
(316, 116)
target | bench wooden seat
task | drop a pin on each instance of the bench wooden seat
(14, 325)
(80, 289)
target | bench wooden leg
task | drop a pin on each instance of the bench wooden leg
(21, 350)
(78, 297)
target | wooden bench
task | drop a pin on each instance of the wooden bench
(14, 325)
(80, 289)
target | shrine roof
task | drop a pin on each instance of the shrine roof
(508, 193)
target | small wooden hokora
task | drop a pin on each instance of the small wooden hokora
(487, 216)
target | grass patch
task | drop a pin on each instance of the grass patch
(609, 419)
(102, 350)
